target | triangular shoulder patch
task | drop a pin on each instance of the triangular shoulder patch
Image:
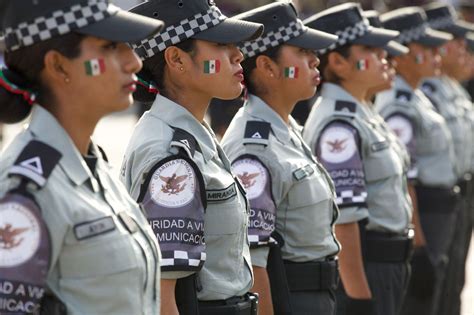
(428, 87)
(36, 162)
(345, 108)
(403, 96)
(185, 141)
(257, 132)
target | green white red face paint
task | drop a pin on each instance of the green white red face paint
(212, 66)
(291, 72)
(94, 67)
(419, 59)
(362, 64)
(443, 51)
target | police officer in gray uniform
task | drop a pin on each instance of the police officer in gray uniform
(71, 239)
(176, 169)
(414, 119)
(291, 195)
(456, 109)
(363, 161)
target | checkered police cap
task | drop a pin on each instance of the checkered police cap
(58, 22)
(412, 34)
(179, 32)
(273, 39)
(349, 34)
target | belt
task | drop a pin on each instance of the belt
(237, 305)
(388, 247)
(312, 276)
(464, 185)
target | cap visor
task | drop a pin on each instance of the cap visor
(124, 26)
(231, 31)
(459, 29)
(434, 38)
(395, 49)
(376, 37)
(313, 39)
(470, 41)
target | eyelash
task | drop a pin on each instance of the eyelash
(111, 45)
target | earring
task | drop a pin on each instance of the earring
(271, 74)
(181, 68)
(67, 80)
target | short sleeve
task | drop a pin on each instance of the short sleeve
(259, 256)
(255, 178)
(338, 149)
(173, 199)
(403, 128)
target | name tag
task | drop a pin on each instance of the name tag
(378, 146)
(97, 227)
(219, 195)
(303, 172)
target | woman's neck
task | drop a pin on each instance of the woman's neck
(279, 104)
(410, 78)
(196, 103)
(358, 92)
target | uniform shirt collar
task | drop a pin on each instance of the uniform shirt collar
(338, 93)
(46, 128)
(177, 116)
(257, 108)
(401, 84)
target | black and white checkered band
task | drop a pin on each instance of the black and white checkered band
(348, 35)
(57, 23)
(179, 32)
(441, 22)
(182, 260)
(412, 34)
(350, 197)
(273, 38)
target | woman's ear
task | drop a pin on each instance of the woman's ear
(176, 59)
(57, 68)
(267, 67)
(339, 65)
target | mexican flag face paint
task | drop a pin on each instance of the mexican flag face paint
(291, 72)
(419, 59)
(212, 66)
(362, 64)
(95, 67)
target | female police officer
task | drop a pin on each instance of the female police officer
(289, 191)
(72, 241)
(428, 139)
(364, 163)
(175, 167)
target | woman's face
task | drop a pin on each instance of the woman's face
(215, 70)
(368, 66)
(298, 73)
(423, 60)
(453, 56)
(103, 75)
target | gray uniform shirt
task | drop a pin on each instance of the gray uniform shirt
(97, 266)
(423, 130)
(289, 191)
(226, 268)
(443, 96)
(363, 160)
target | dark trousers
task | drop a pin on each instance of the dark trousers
(438, 214)
(450, 297)
(388, 283)
(313, 302)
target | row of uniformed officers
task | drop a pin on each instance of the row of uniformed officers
(324, 219)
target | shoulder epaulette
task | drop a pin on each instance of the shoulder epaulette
(428, 87)
(403, 96)
(186, 141)
(36, 162)
(345, 108)
(103, 154)
(257, 132)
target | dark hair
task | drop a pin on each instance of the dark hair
(250, 64)
(24, 69)
(153, 71)
(329, 76)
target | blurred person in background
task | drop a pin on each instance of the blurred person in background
(455, 106)
(424, 132)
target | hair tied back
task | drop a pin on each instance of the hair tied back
(8, 85)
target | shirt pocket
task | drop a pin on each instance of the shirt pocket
(382, 162)
(101, 255)
(308, 191)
